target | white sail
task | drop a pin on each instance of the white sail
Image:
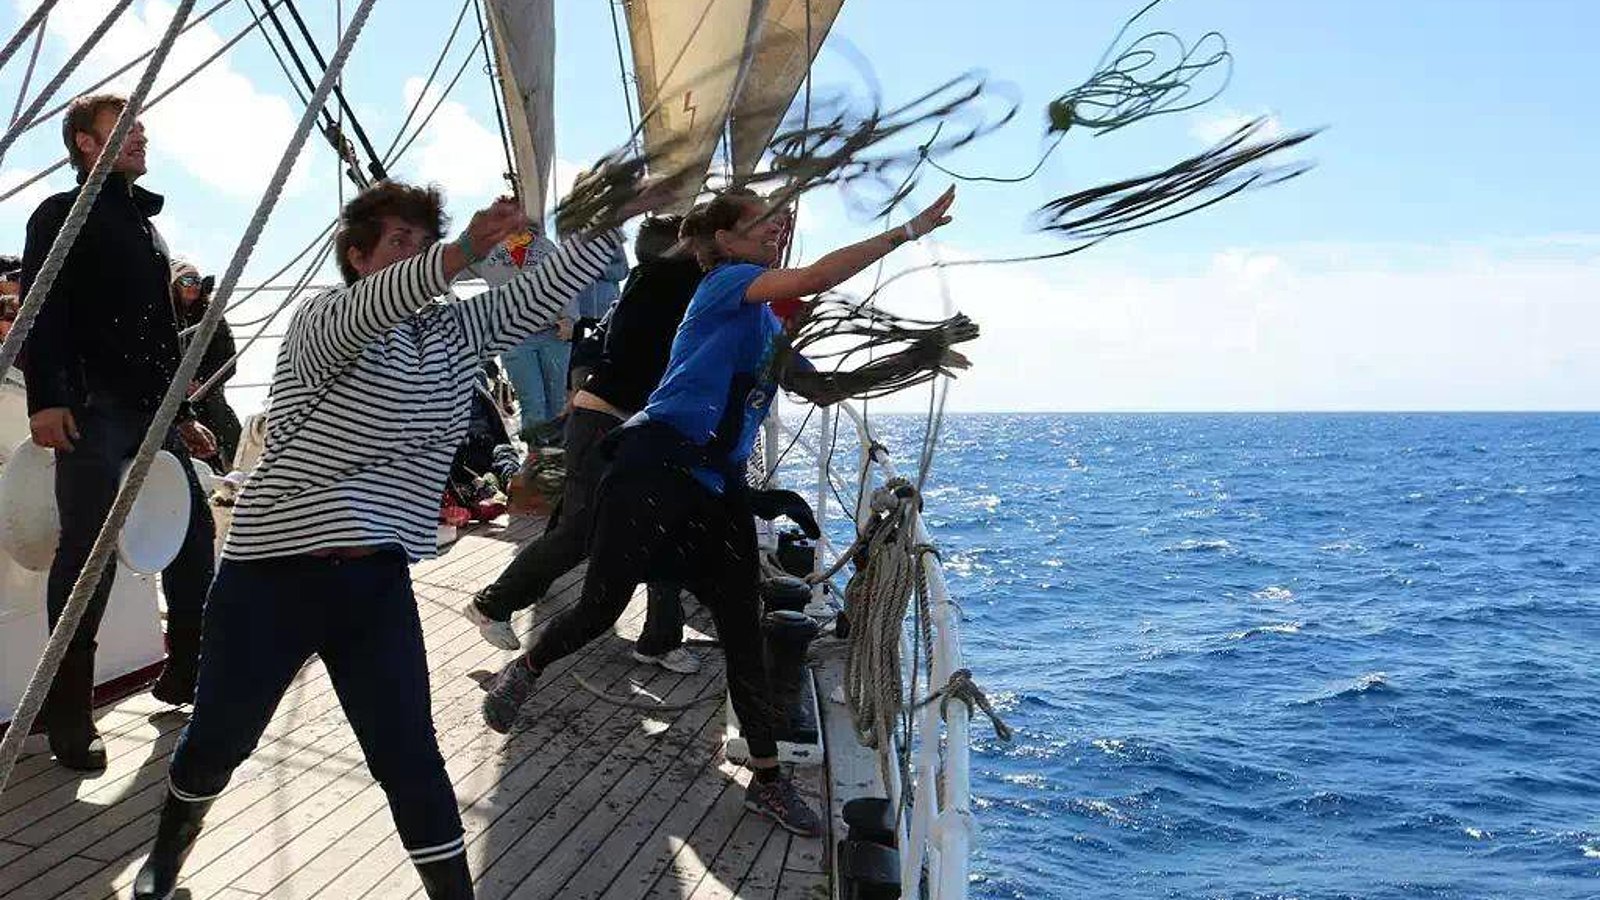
(524, 36)
(777, 67)
(688, 58)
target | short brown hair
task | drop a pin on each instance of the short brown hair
(721, 213)
(361, 220)
(81, 113)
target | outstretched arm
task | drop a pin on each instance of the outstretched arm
(843, 264)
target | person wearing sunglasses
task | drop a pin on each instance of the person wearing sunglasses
(190, 296)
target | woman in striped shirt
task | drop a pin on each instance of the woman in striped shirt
(369, 400)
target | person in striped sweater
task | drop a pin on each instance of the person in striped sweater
(369, 400)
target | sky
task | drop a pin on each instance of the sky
(1443, 254)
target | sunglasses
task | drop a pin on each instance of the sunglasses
(188, 281)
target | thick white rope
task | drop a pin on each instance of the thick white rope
(78, 56)
(33, 21)
(100, 555)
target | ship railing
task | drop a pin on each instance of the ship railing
(937, 836)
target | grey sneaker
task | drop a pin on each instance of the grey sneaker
(675, 660)
(779, 801)
(494, 631)
(507, 692)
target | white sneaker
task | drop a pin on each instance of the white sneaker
(675, 660)
(494, 631)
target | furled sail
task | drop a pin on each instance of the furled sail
(524, 36)
(689, 57)
(778, 65)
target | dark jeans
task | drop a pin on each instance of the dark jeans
(653, 520)
(86, 485)
(566, 544)
(265, 619)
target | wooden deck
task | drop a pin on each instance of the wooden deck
(586, 799)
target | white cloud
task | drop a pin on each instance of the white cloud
(456, 152)
(1211, 129)
(219, 127)
(1491, 326)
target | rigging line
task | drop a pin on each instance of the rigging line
(338, 32)
(27, 77)
(432, 73)
(495, 83)
(361, 134)
(33, 21)
(439, 103)
(62, 162)
(78, 56)
(622, 69)
(50, 113)
(330, 129)
(273, 46)
(225, 370)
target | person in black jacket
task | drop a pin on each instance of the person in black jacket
(190, 296)
(638, 336)
(101, 355)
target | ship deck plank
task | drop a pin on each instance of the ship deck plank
(585, 799)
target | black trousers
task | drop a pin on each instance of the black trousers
(265, 619)
(654, 521)
(560, 549)
(86, 485)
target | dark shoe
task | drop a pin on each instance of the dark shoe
(176, 684)
(175, 836)
(507, 692)
(175, 687)
(447, 879)
(78, 748)
(778, 800)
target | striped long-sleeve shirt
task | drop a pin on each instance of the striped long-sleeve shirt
(370, 399)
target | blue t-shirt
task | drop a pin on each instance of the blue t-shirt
(721, 377)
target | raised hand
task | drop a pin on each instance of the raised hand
(935, 216)
(493, 224)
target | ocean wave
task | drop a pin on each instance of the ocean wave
(1199, 545)
(1281, 628)
(1274, 592)
(1369, 683)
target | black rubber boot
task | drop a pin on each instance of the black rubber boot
(68, 714)
(447, 879)
(180, 825)
(176, 684)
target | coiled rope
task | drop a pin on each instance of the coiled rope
(104, 545)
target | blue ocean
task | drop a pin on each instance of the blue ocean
(1279, 656)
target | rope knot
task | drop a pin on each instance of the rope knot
(961, 687)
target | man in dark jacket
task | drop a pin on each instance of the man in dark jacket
(101, 354)
(637, 339)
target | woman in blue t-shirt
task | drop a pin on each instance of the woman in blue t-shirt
(673, 504)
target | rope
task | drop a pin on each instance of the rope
(100, 555)
(622, 66)
(443, 95)
(495, 83)
(432, 74)
(27, 77)
(876, 599)
(48, 91)
(33, 21)
(963, 689)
